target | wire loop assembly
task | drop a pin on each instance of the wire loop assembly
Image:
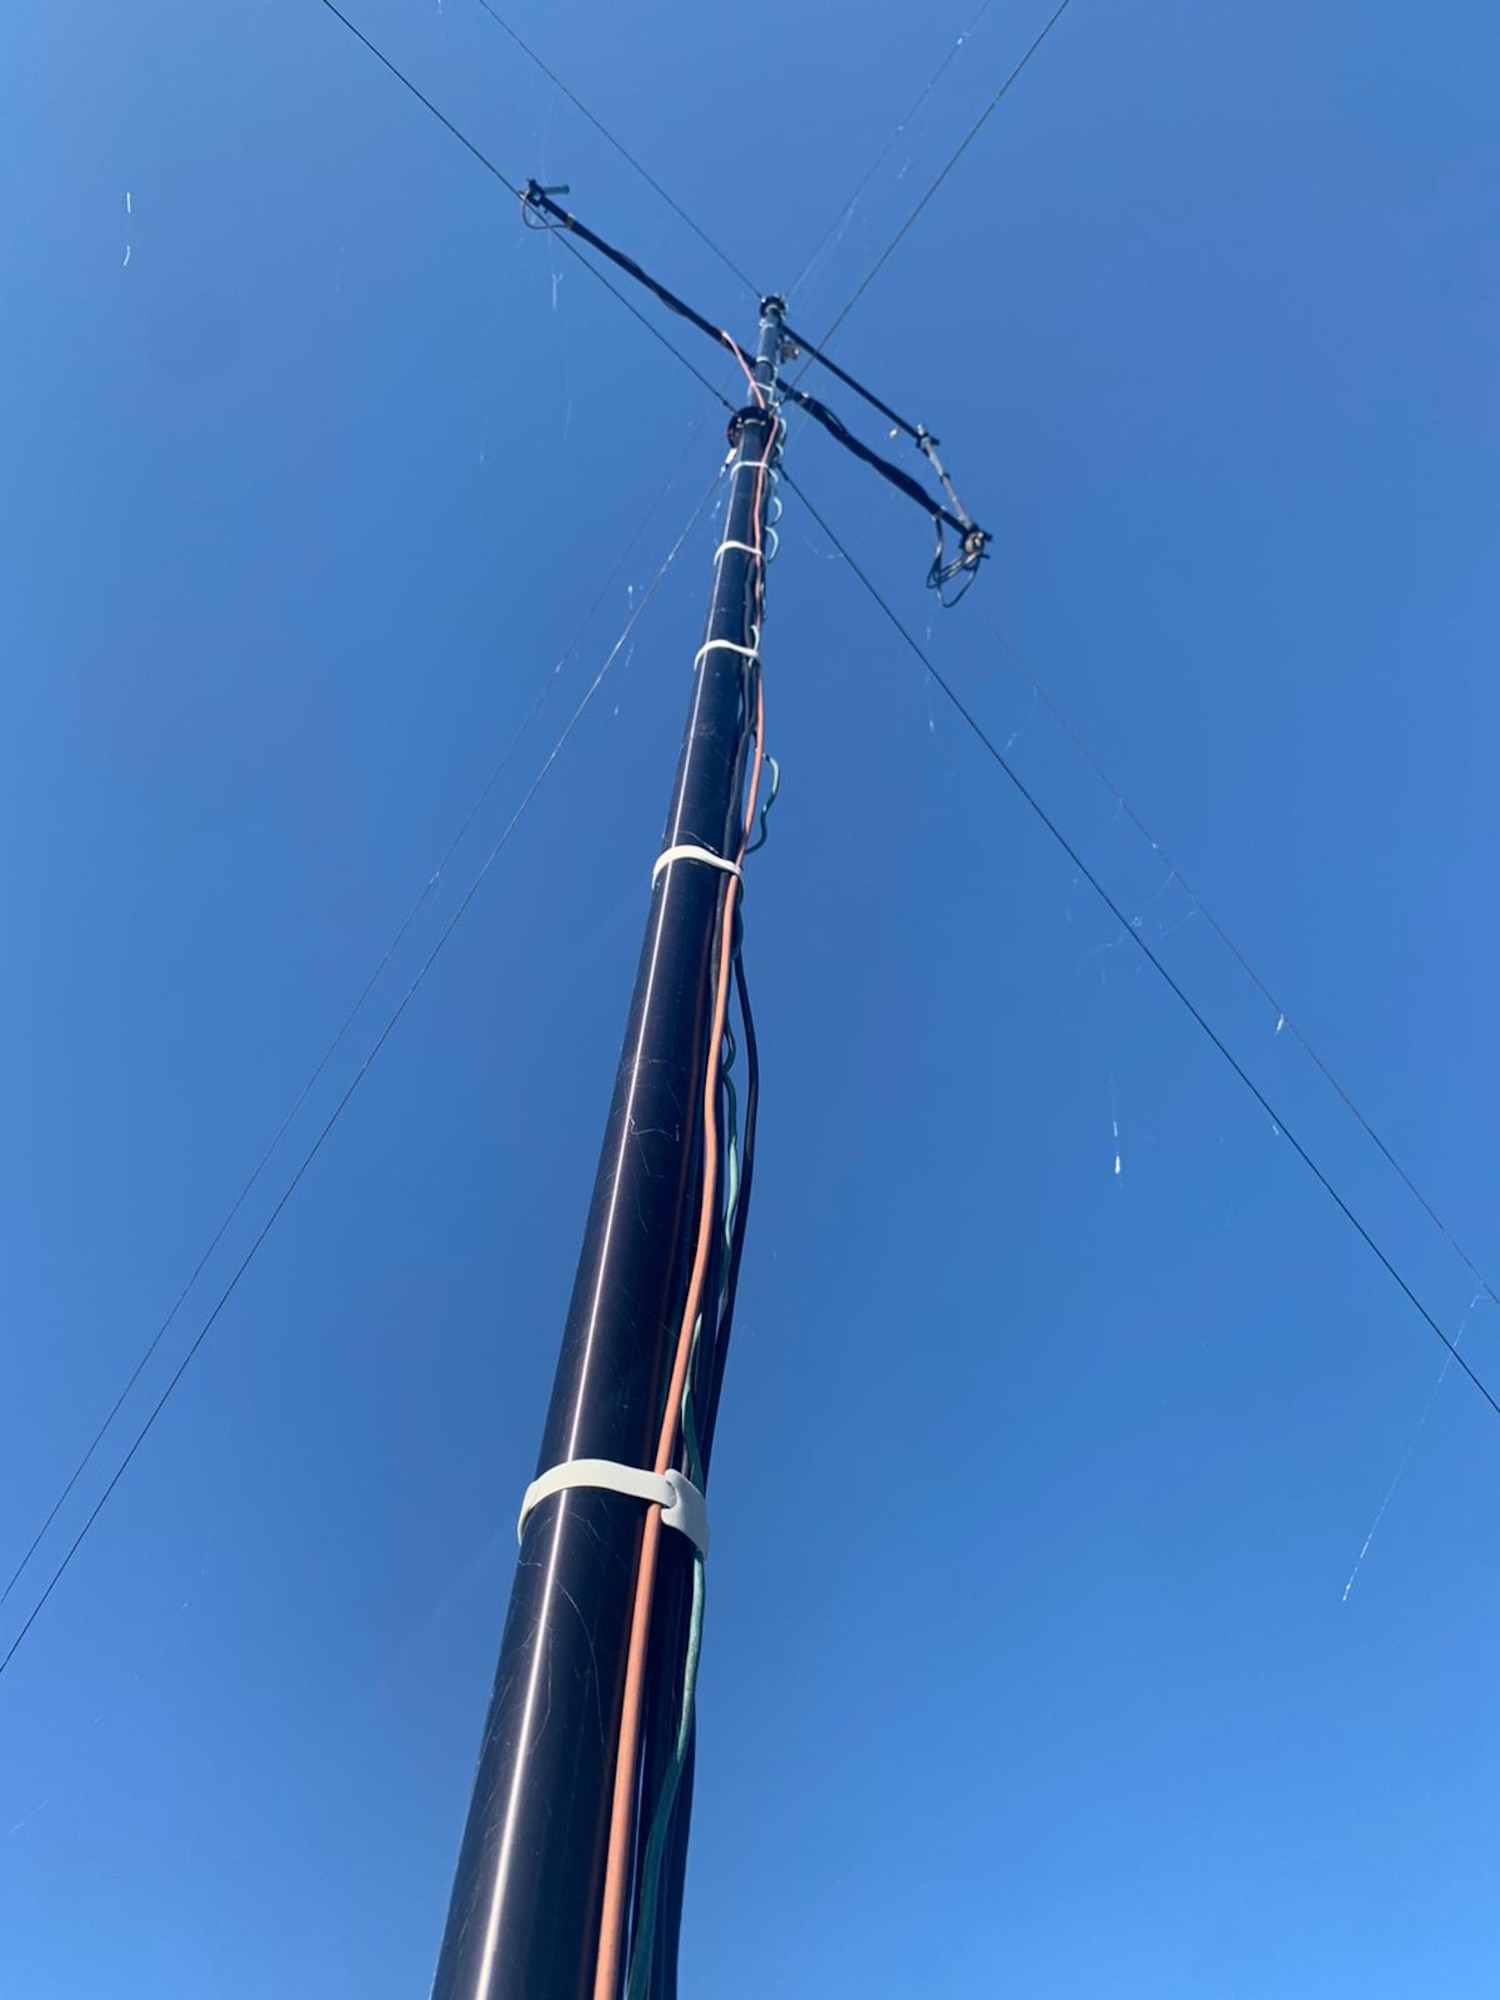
(682, 1505)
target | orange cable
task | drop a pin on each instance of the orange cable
(611, 1937)
(743, 359)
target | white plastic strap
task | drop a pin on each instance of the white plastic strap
(682, 1505)
(753, 465)
(748, 547)
(724, 646)
(689, 852)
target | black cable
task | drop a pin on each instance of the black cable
(972, 721)
(717, 1290)
(537, 197)
(973, 541)
(625, 154)
(670, 1620)
(654, 331)
(971, 537)
(902, 481)
(671, 1614)
(915, 431)
(967, 140)
(709, 1414)
(338, 1110)
(489, 166)
(674, 1877)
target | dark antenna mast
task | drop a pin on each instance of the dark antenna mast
(569, 1878)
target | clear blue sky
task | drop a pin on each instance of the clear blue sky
(1029, 1668)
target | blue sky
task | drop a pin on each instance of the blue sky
(1030, 1668)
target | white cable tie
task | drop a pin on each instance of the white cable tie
(689, 851)
(682, 1505)
(724, 646)
(748, 547)
(754, 465)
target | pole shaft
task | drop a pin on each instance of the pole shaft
(523, 1923)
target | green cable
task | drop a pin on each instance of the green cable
(691, 1449)
(642, 1945)
(765, 811)
(731, 1182)
(637, 1984)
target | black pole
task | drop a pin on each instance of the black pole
(524, 1919)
